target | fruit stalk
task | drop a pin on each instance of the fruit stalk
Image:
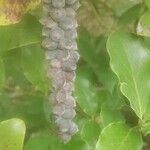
(59, 40)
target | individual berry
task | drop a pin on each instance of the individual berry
(58, 3)
(64, 124)
(67, 23)
(48, 22)
(56, 34)
(68, 86)
(56, 54)
(68, 44)
(76, 5)
(71, 34)
(70, 102)
(58, 80)
(70, 64)
(73, 128)
(55, 63)
(70, 76)
(61, 95)
(57, 14)
(49, 44)
(70, 12)
(69, 114)
(59, 110)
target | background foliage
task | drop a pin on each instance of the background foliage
(112, 84)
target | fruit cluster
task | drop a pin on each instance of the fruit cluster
(59, 40)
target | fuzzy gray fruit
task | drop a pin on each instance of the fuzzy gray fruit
(59, 40)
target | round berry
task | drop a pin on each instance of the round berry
(68, 23)
(58, 3)
(56, 54)
(69, 114)
(56, 34)
(49, 44)
(58, 14)
(71, 34)
(68, 44)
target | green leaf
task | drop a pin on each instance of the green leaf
(48, 141)
(75, 144)
(109, 115)
(130, 16)
(12, 59)
(28, 107)
(147, 2)
(42, 142)
(143, 27)
(130, 60)
(27, 32)
(86, 93)
(118, 136)
(33, 64)
(146, 128)
(12, 134)
(147, 42)
(93, 52)
(90, 133)
(2, 73)
(122, 6)
(28, 57)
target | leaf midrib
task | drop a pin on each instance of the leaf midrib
(24, 45)
(135, 85)
(132, 77)
(125, 138)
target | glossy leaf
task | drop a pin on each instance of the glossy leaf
(75, 143)
(130, 60)
(29, 107)
(12, 59)
(86, 94)
(29, 56)
(109, 115)
(42, 142)
(90, 133)
(143, 27)
(27, 32)
(122, 6)
(47, 141)
(33, 64)
(12, 11)
(93, 52)
(146, 128)
(12, 134)
(130, 17)
(118, 136)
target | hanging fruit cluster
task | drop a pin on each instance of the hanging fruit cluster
(59, 39)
